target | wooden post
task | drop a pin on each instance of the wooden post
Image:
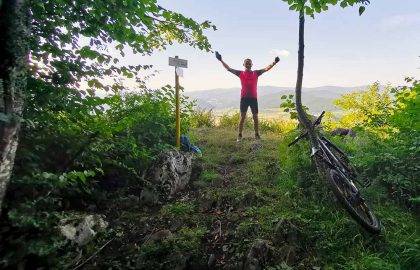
(177, 63)
(177, 111)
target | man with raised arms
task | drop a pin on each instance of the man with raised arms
(249, 80)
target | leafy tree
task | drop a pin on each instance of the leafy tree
(310, 8)
(371, 107)
(70, 42)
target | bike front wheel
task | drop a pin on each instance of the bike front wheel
(350, 197)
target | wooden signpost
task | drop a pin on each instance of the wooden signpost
(177, 63)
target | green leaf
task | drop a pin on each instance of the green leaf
(361, 10)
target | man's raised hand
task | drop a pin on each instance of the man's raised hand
(276, 60)
(218, 56)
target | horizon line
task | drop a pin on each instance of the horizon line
(238, 87)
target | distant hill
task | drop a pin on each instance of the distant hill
(316, 98)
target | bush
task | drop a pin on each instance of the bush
(202, 118)
(232, 120)
(389, 153)
(70, 143)
(34, 206)
(278, 125)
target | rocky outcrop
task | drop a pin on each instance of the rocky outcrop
(83, 229)
(170, 174)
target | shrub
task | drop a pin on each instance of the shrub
(389, 152)
(272, 125)
(232, 120)
(34, 206)
(69, 143)
(202, 118)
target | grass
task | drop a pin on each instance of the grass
(270, 192)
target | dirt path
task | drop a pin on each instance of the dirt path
(235, 177)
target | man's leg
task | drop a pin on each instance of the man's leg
(243, 108)
(254, 109)
(241, 125)
(255, 117)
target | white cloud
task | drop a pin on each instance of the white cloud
(283, 53)
(399, 21)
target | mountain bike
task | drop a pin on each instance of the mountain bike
(342, 177)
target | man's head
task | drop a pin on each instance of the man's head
(248, 64)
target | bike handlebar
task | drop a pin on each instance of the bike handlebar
(315, 123)
(298, 138)
(319, 119)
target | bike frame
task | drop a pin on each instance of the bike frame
(327, 156)
(340, 166)
(334, 163)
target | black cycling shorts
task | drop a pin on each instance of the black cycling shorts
(251, 102)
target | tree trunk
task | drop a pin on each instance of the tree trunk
(14, 33)
(303, 118)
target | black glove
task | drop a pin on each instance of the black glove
(276, 60)
(218, 56)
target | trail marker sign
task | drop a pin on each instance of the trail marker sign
(178, 62)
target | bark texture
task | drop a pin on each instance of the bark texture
(303, 118)
(14, 32)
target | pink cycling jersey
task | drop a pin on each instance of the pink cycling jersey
(249, 81)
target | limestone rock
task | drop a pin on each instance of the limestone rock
(82, 230)
(172, 172)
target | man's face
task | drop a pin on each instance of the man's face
(248, 63)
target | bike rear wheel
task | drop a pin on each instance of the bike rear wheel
(350, 197)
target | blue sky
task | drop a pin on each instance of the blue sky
(341, 48)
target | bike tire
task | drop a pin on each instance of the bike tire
(337, 181)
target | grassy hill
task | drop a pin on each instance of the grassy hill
(258, 192)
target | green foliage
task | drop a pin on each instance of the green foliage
(289, 106)
(279, 126)
(202, 118)
(69, 143)
(232, 120)
(35, 205)
(317, 6)
(66, 130)
(69, 41)
(209, 176)
(178, 209)
(170, 250)
(266, 125)
(389, 152)
(339, 243)
(296, 164)
(71, 138)
(369, 108)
